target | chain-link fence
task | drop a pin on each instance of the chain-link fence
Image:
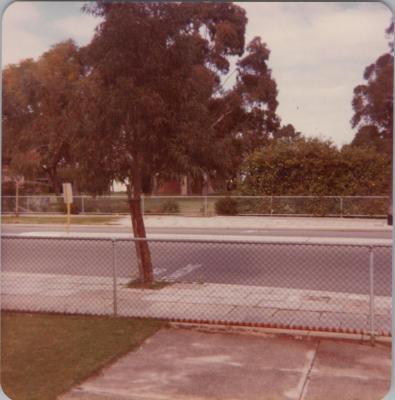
(335, 206)
(336, 287)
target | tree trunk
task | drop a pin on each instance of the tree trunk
(142, 249)
(390, 152)
(390, 210)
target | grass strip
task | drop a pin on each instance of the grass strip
(45, 219)
(44, 355)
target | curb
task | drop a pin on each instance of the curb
(246, 227)
(278, 240)
(271, 332)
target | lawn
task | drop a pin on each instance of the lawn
(43, 355)
(59, 219)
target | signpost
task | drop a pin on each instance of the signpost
(68, 199)
(19, 180)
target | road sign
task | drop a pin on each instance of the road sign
(68, 199)
(67, 193)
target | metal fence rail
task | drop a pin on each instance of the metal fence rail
(336, 287)
(335, 206)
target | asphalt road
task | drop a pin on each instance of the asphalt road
(315, 267)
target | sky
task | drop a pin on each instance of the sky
(318, 51)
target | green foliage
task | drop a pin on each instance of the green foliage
(106, 205)
(361, 206)
(369, 136)
(254, 206)
(316, 168)
(38, 114)
(152, 79)
(169, 207)
(153, 98)
(302, 167)
(365, 171)
(287, 132)
(373, 103)
(226, 206)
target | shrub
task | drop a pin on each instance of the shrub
(256, 206)
(226, 206)
(169, 207)
(75, 208)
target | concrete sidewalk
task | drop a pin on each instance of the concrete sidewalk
(216, 238)
(177, 364)
(262, 222)
(240, 304)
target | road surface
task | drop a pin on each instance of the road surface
(313, 267)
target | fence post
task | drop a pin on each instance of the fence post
(371, 293)
(17, 198)
(271, 205)
(114, 279)
(341, 207)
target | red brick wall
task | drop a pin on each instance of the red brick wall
(170, 187)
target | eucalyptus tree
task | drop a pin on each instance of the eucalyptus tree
(152, 99)
(373, 104)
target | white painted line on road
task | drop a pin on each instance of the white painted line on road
(183, 271)
(159, 270)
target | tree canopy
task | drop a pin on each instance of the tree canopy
(373, 102)
(38, 103)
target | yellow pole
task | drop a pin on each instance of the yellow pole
(68, 216)
(17, 198)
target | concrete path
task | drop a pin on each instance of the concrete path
(239, 238)
(178, 364)
(270, 306)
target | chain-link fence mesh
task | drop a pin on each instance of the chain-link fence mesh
(52, 274)
(335, 206)
(382, 278)
(338, 287)
(361, 206)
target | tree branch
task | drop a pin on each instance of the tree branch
(220, 119)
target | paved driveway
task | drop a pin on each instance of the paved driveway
(178, 364)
